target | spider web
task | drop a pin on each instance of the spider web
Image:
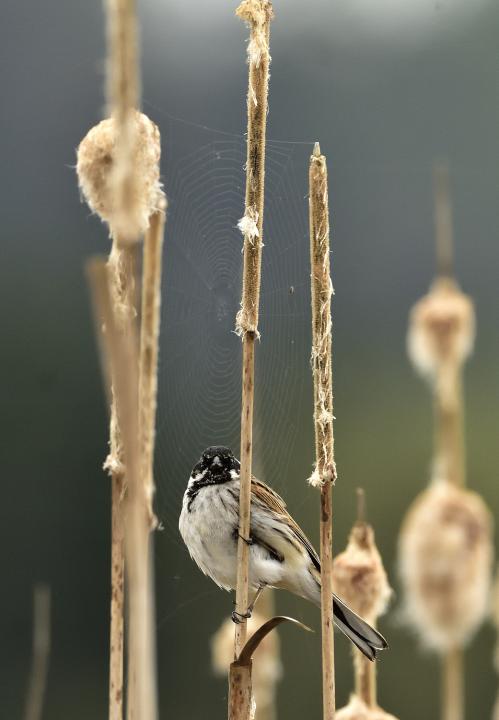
(200, 358)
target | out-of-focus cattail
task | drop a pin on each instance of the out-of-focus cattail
(441, 328)
(96, 157)
(445, 544)
(267, 668)
(360, 579)
(358, 710)
(358, 574)
(445, 561)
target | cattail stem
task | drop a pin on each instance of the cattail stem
(365, 678)
(453, 685)
(325, 470)
(443, 221)
(448, 400)
(123, 90)
(121, 268)
(449, 425)
(364, 669)
(41, 652)
(148, 364)
(120, 348)
(240, 691)
(257, 13)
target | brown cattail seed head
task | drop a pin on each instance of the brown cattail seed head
(267, 668)
(441, 329)
(357, 710)
(96, 160)
(359, 577)
(445, 564)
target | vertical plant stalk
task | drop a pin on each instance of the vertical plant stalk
(123, 91)
(449, 415)
(41, 653)
(364, 669)
(449, 427)
(121, 266)
(443, 220)
(148, 363)
(365, 679)
(257, 14)
(324, 474)
(122, 99)
(453, 685)
(120, 348)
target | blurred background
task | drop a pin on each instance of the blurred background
(387, 87)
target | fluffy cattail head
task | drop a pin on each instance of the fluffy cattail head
(445, 563)
(441, 328)
(96, 166)
(358, 710)
(359, 577)
(267, 668)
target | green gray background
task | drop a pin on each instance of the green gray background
(385, 93)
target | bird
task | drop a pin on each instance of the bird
(280, 554)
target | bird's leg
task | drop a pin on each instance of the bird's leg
(241, 617)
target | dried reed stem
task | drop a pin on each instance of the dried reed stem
(453, 685)
(324, 474)
(449, 434)
(257, 14)
(364, 669)
(120, 347)
(41, 653)
(148, 365)
(123, 90)
(443, 220)
(449, 427)
(121, 267)
(240, 692)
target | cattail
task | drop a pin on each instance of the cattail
(441, 334)
(358, 710)
(445, 560)
(360, 579)
(267, 668)
(445, 544)
(359, 576)
(96, 157)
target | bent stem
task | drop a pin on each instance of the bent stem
(324, 474)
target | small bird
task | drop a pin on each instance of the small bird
(281, 556)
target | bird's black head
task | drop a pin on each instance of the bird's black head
(215, 465)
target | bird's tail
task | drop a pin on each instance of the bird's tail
(365, 637)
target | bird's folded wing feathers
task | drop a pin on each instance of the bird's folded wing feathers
(268, 500)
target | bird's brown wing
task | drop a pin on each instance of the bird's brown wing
(268, 498)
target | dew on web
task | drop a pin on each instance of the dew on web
(200, 356)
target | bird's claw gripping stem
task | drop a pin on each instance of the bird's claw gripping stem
(239, 618)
